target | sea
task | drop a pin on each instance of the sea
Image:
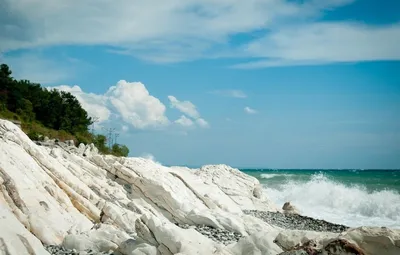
(350, 197)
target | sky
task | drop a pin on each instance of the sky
(252, 84)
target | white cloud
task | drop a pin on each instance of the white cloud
(230, 93)
(136, 106)
(125, 128)
(189, 109)
(170, 31)
(250, 110)
(95, 105)
(202, 123)
(129, 101)
(135, 25)
(186, 107)
(184, 121)
(321, 43)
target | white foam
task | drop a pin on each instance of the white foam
(353, 206)
(269, 176)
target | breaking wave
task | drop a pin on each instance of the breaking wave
(270, 176)
(326, 199)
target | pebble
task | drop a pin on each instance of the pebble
(59, 250)
(216, 234)
(298, 222)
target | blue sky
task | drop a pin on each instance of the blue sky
(257, 83)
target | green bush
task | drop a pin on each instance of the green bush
(34, 136)
(120, 150)
(85, 138)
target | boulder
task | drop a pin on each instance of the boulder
(289, 209)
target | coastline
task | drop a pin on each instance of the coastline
(58, 195)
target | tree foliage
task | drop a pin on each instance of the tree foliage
(54, 109)
(49, 111)
(120, 150)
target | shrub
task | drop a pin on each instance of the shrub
(34, 136)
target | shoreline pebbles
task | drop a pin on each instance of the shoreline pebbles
(297, 222)
(59, 250)
(216, 234)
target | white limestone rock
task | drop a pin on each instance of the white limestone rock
(101, 239)
(374, 240)
(256, 244)
(40, 198)
(287, 239)
(58, 194)
(180, 241)
(243, 189)
(15, 239)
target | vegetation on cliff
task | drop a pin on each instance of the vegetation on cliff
(49, 112)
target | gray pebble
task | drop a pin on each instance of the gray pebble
(217, 235)
(294, 221)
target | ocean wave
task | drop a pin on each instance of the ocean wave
(270, 176)
(324, 198)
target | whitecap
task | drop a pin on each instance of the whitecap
(326, 199)
(270, 176)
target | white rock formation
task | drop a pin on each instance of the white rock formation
(72, 196)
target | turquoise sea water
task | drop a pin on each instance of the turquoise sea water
(351, 197)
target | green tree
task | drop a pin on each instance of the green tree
(26, 110)
(120, 150)
(49, 112)
(100, 142)
(5, 82)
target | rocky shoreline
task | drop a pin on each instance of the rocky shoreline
(296, 222)
(225, 237)
(59, 199)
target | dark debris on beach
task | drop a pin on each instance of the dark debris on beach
(216, 234)
(297, 222)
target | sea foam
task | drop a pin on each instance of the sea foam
(270, 176)
(326, 199)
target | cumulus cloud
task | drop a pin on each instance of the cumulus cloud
(171, 31)
(136, 106)
(130, 101)
(230, 93)
(186, 107)
(250, 110)
(184, 121)
(190, 110)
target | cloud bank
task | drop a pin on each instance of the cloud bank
(282, 32)
(134, 105)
